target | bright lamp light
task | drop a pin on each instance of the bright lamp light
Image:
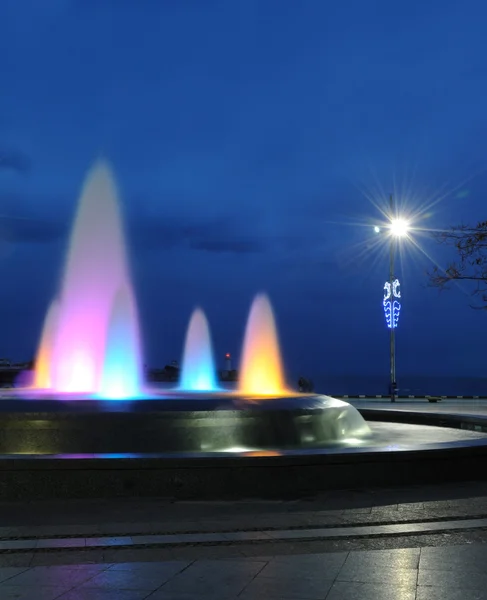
(399, 227)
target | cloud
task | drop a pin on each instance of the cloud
(30, 231)
(22, 222)
(234, 246)
(214, 236)
(14, 161)
(20, 226)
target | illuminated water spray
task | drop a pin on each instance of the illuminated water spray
(198, 371)
(91, 345)
(261, 369)
(44, 353)
(122, 369)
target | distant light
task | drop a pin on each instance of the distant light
(377, 229)
(227, 355)
(399, 227)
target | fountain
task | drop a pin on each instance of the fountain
(261, 371)
(188, 438)
(198, 372)
(90, 352)
(90, 343)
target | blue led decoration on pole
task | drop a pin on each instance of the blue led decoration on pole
(392, 306)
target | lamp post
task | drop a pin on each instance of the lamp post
(397, 228)
(392, 254)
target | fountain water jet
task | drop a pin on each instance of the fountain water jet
(42, 375)
(262, 373)
(198, 372)
(122, 368)
(81, 358)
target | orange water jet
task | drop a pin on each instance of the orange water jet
(42, 379)
(261, 373)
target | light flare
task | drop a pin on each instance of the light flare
(399, 227)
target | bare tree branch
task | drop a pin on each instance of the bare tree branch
(470, 244)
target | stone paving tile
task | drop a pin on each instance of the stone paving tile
(97, 567)
(115, 555)
(452, 579)
(346, 590)
(327, 565)
(366, 573)
(468, 558)
(130, 580)
(448, 572)
(288, 586)
(230, 567)
(445, 593)
(401, 558)
(214, 595)
(169, 568)
(29, 592)
(63, 577)
(9, 572)
(212, 578)
(73, 557)
(85, 594)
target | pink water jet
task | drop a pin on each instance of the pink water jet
(93, 345)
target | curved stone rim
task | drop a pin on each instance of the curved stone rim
(167, 401)
(182, 426)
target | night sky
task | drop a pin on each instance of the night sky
(251, 140)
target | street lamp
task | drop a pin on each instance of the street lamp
(397, 228)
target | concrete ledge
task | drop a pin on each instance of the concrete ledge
(239, 537)
(239, 477)
(407, 397)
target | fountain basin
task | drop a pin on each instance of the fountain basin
(406, 447)
(177, 423)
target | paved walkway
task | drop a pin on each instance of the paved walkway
(441, 573)
(448, 406)
(425, 543)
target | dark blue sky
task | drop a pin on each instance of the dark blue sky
(243, 135)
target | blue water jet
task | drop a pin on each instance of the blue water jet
(121, 377)
(198, 371)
